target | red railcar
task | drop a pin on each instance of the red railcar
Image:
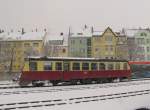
(72, 70)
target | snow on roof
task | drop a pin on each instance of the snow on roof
(18, 36)
(33, 36)
(97, 33)
(84, 33)
(133, 32)
(3, 36)
(14, 36)
(54, 37)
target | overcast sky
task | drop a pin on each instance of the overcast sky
(58, 15)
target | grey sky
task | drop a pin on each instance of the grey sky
(58, 15)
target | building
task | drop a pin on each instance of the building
(16, 46)
(79, 44)
(56, 45)
(109, 45)
(138, 44)
(104, 44)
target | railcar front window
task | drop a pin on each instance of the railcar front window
(125, 66)
(59, 66)
(94, 66)
(85, 66)
(33, 66)
(47, 65)
(76, 66)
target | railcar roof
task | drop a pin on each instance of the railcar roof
(45, 58)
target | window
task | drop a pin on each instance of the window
(94, 66)
(63, 50)
(110, 66)
(96, 49)
(72, 41)
(125, 66)
(140, 41)
(117, 66)
(58, 66)
(35, 44)
(109, 38)
(85, 66)
(80, 41)
(76, 66)
(148, 49)
(101, 66)
(82, 50)
(26, 45)
(148, 41)
(47, 65)
(143, 34)
(33, 66)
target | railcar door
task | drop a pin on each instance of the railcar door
(66, 66)
(66, 72)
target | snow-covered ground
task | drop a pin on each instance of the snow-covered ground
(105, 98)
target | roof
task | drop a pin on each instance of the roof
(133, 32)
(97, 33)
(84, 33)
(71, 58)
(54, 37)
(33, 36)
(17, 36)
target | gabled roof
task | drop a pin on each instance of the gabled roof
(110, 30)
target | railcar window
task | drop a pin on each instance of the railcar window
(101, 66)
(117, 66)
(110, 66)
(47, 65)
(76, 66)
(125, 66)
(58, 66)
(85, 66)
(33, 66)
(94, 66)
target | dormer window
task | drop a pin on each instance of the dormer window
(143, 34)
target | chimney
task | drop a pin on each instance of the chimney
(61, 33)
(22, 31)
(92, 29)
(45, 30)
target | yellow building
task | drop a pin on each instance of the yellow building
(18, 46)
(104, 45)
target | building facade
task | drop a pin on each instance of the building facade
(138, 44)
(56, 46)
(79, 45)
(104, 45)
(14, 48)
(109, 45)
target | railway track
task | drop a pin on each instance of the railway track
(71, 88)
(75, 100)
(9, 85)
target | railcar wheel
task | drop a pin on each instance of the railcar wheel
(86, 81)
(37, 83)
(24, 83)
(54, 83)
(74, 82)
